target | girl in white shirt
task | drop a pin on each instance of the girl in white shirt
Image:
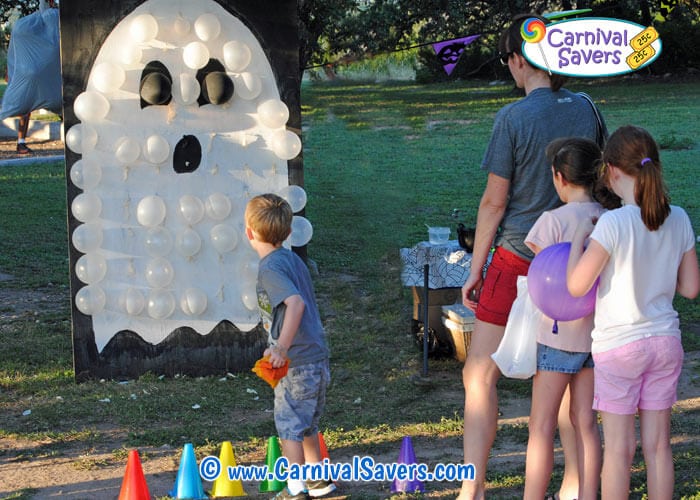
(643, 253)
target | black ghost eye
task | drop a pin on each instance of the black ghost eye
(156, 84)
(216, 86)
(187, 155)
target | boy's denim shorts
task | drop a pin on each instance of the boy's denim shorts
(299, 400)
(551, 359)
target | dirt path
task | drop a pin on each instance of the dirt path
(40, 148)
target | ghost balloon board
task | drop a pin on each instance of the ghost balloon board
(163, 147)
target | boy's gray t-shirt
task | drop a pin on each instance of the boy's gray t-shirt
(516, 152)
(282, 274)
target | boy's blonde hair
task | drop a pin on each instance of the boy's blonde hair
(270, 216)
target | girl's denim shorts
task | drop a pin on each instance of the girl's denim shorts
(555, 360)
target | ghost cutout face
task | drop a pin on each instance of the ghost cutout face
(181, 123)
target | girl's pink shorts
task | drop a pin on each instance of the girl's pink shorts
(639, 375)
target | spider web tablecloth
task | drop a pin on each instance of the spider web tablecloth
(449, 265)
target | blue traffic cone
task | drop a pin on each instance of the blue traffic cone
(407, 456)
(188, 483)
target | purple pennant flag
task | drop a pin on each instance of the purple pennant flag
(448, 51)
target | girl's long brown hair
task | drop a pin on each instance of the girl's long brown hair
(578, 161)
(634, 151)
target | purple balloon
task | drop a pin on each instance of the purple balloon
(546, 282)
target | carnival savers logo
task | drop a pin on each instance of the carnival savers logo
(589, 47)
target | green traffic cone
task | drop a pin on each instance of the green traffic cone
(273, 453)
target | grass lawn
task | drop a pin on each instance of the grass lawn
(381, 161)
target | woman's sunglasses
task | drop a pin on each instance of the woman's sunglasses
(504, 57)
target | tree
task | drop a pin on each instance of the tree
(323, 24)
(22, 7)
(348, 30)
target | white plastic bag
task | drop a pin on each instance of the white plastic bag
(516, 355)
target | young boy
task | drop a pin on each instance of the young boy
(291, 318)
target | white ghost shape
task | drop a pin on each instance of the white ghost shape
(168, 239)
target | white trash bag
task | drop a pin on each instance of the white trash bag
(516, 355)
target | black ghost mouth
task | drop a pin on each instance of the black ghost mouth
(187, 155)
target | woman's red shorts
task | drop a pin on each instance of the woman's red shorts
(500, 286)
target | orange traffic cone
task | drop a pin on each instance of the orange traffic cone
(223, 486)
(134, 485)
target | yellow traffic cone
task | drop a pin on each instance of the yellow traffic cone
(223, 486)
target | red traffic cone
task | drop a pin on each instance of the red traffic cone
(134, 485)
(324, 455)
(322, 447)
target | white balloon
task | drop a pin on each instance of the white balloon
(127, 150)
(133, 301)
(85, 174)
(86, 207)
(151, 211)
(250, 300)
(91, 268)
(91, 106)
(144, 28)
(188, 242)
(195, 55)
(158, 242)
(87, 237)
(302, 231)
(189, 88)
(130, 54)
(161, 304)
(273, 113)
(285, 144)
(157, 149)
(237, 56)
(159, 272)
(81, 138)
(107, 77)
(224, 238)
(193, 302)
(207, 27)
(90, 299)
(250, 271)
(295, 196)
(218, 206)
(181, 26)
(191, 209)
(247, 85)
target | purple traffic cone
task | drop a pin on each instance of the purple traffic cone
(407, 456)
